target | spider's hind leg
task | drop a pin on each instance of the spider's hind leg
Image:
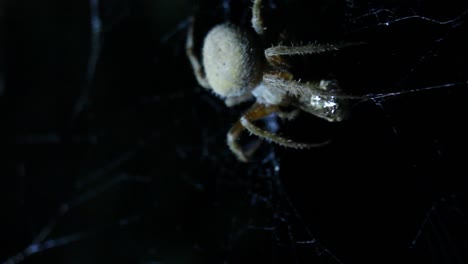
(259, 111)
(255, 112)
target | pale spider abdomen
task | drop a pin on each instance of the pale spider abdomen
(232, 61)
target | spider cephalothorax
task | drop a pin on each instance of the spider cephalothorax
(236, 68)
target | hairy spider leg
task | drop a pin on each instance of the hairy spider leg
(196, 65)
(232, 141)
(275, 53)
(315, 48)
(256, 112)
(232, 137)
(284, 80)
(305, 89)
(257, 20)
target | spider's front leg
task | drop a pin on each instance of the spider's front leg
(256, 112)
(273, 54)
(194, 61)
(323, 99)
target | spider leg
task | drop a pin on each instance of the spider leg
(257, 20)
(232, 136)
(323, 99)
(255, 112)
(259, 111)
(325, 88)
(273, 54)
(315, 48)
(196, 65)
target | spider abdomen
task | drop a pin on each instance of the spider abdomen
(232, 61)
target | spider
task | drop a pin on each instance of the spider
(235, 69)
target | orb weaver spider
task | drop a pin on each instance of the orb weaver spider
(234, 68)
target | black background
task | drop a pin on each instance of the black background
(113, 153)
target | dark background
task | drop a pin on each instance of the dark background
(113, 153)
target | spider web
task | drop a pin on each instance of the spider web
(113, 154)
